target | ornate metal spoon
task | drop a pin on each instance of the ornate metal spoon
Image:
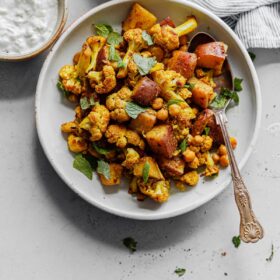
(250, 228)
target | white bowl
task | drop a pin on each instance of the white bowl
(52, 110)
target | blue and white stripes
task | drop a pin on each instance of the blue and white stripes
(256, 22)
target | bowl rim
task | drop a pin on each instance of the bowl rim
(48, 43)
(155, 215)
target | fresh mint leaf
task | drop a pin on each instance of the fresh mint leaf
(207, 130)
(114, 56)
(130, 243)
(174, 101)
(86, 103)
(146, 171)
(144, 64)
(269, 259)
(147, 38)
(236, 241)
(103, 29)
(180, 271)
(100, 150)
(82, 164)
(114, 38)
(103, 168)
(189, 86)
(62, 89)
(237, 84)
(183, 145)
(133, 109)
(252, 55)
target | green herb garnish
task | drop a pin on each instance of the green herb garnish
(114, 38)
(252, 55)
(183, 145)
(83, 165)
(221, 99)
(236, 241)
(130, 243)
(86, 103)
(62, 89)
(180, 271)
(114, 56)
(144, 64)
(269, 259)
(189, 86)
(100, 150)
(133, 109)
(147, 38)
(103, 29)
(103, 168)
(174, 101)
(237, 84)
(207, 130)
(146, 171)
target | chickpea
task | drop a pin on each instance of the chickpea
(174, 109)
(215, 158)
(233, 142)
(222, 150)
(162, 114)
(157, 103)
(224, 161)
(189, 155)
(197, 140)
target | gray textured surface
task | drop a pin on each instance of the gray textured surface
(47, 232)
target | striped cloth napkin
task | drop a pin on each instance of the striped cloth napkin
(256, 22)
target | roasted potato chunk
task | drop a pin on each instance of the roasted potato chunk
(154, 171)
(139, 17)
(115, 175)
(173, 167)
(144, 122)
(161, 140)
(145, 91)
(183, 63)
(211, 55)
(202, 94)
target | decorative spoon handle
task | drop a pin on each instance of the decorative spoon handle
(250, 228)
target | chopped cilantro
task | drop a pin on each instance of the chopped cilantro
(103, 29)
(130, 243)
(237, 84)
(62, 89)
(86, 103)
(174, 101)
(100, 150)
(114, 38)
(147, 38)
(207, 130)
(221, 99)
(189, 86)
(183, 145)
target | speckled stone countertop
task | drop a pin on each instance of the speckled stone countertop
(48, 232)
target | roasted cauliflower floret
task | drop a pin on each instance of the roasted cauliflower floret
(211, 168)
(116, 103)
(135, 44)
(96, 122)
(103, 81)
(121, 136)
(70, 127)
(69, 79)
(169, 82)
(168, 37)
(76, 144)
(158, 191)
(191, 178)
(131, 158)
(206, 144)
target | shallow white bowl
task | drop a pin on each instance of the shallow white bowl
(52, 110)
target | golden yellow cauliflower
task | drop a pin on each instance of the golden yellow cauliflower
(158, 191)
(103, 81)
(76, 144)
(131, 158)
(190, 178)
(122, 136)
(69, 79)
(70, 127)
(96, 122)
(206, 144)
(116, 103)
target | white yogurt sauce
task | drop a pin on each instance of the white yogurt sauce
(25, 25)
